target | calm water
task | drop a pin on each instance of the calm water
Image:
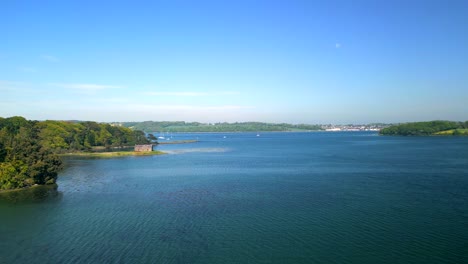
(238, 198)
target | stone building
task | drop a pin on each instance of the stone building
(143, 148)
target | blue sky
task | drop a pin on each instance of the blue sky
(215, 61)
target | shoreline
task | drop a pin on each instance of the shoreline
(28, 188)
(261, 132)
(250, 131)
(168, 142)
(125, 153)
(114, 154)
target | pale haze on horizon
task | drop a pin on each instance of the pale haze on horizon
(228, 61)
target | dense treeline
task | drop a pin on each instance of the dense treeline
(427, 128)
(28, 149)
(181, 126)
(66, 136)
(23, 160)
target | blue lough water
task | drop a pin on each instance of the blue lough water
(349, 197)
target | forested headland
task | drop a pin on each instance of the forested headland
(29, 149)
(181, 126)
(431, 128)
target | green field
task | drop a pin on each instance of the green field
(114, 154)
(453, 132)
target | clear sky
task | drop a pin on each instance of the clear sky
(214, 61)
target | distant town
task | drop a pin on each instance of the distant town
(351, 127)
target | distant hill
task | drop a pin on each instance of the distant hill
(181, 126)
(431, 128)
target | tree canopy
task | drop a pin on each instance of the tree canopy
(23, 160)
(67, 136)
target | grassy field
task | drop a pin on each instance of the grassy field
(113, 154)
(454, 132)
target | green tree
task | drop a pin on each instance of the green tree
(152, 138)
(13, 175)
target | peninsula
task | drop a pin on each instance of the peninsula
(430, 128)
(30, 150)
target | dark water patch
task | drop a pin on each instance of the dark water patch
(34, 194)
